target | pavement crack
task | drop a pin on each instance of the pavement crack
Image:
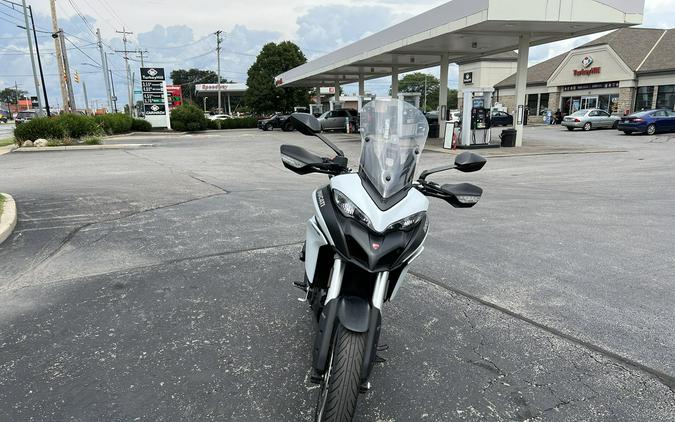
(662, 377)
(208, 183)
(71, 235)
(159, 264)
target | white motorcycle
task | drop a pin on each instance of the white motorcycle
(368, 228)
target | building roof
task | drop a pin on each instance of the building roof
(463, 30)
(538, 74)
(663, 57)
(632, 45)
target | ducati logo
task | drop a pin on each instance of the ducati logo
(376, 246)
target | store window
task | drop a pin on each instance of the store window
(666, 97)
(644, 98)
(543, 103)
(532, 100)
(609, 103)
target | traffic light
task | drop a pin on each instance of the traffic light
(77, 77)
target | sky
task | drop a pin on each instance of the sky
(180, 34)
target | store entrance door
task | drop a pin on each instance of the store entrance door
(589, 102)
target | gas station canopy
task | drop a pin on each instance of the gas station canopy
(461, 30)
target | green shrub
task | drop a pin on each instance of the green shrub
(79, 126)
(115, 123)
(238, 123)
(92, 140)
(215, 124)
(188, 118)
(141, 125)
(40, 127)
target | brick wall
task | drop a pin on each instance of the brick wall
(626, 98)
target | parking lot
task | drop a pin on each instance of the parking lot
(156, 284)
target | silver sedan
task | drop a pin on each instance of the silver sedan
(590, 119)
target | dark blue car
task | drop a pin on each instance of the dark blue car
(649, 122)
(500, 118)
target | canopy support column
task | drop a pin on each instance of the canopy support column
(521, 87)
(394, 81)
(443, 94)
(362, 88)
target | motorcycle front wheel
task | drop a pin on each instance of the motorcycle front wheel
(341, 384)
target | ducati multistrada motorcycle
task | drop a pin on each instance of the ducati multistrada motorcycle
(368, 227)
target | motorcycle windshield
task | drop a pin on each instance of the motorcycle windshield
(393, 134)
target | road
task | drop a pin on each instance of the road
(6, 130)
(156, 283)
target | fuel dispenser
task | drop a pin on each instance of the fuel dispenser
(476, 129)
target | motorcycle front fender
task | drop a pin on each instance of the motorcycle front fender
(352, 312)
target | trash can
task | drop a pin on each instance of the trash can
(508, 138)
(434, 130)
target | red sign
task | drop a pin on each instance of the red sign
(174, 94)
(587, 72)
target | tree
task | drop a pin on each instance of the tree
(429, 86)
(10, 95)
(191, 77)
(263, 96)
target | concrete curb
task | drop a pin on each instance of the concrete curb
(84, 147)
(7, 149)
(8, 217)
(144, 134)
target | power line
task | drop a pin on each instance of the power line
(82, 51)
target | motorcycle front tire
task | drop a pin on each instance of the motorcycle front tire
(341, 385)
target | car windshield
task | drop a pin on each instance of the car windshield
(580, 113)
(393, 134)
(23, 114)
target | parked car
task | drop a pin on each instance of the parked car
(501, 118)
(24, 116)
(219, 116)
(278, 121)
(337, 120)
(588, 119)
(649, 122)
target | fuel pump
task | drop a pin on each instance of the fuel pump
(476, 117)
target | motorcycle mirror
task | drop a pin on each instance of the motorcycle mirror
(468, 162)
(305, 123)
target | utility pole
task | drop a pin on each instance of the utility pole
(86, 99)
(16, 91)
(220, 100)
(59, 56)
(104, 65)
(66, 68)
(142, 54)
(42, 74)
(112, 86)
(126, 52)
(32, 59)
(425, 92)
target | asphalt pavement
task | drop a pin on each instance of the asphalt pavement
(156, 284)
(6, 131)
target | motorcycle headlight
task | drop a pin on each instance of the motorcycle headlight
(348, 209)
(407, 222)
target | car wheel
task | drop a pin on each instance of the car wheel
(651, 130)
(267, 127)
(588, 127)
(570, 128)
